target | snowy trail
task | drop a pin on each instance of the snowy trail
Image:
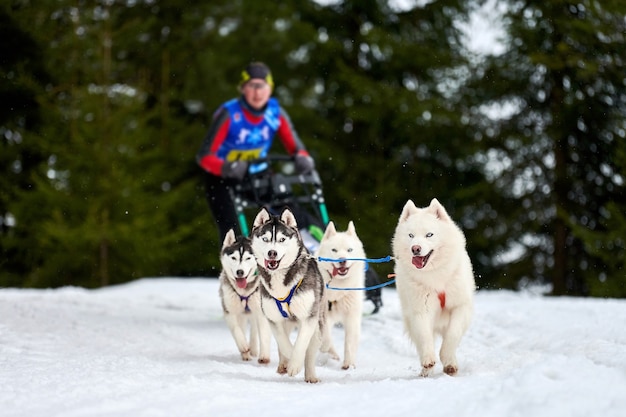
(159, 347)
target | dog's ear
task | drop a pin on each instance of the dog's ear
(351, 229)
(288, 218)
(330, 230)
(229, 239)
(261, 218)
(438, 210)
(409, 208)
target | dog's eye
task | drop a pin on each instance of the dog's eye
(349, 250)
(233, 258)
(282, 239)
(334, 250)
(429, 234)
(265, 239)
(411, 235)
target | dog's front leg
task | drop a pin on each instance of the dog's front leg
(459, 322)
(285, 349)
(311, 356)
(305, 332)
(352, 324)
(421, 331)
(265, 335)
(234, 324)
(327, 339)
(254, 333)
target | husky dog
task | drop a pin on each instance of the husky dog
(292, 291)
(435, 282)
(241, 301)
(343, 306)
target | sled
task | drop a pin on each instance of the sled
(272, 182)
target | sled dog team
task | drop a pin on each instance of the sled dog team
(272, 285)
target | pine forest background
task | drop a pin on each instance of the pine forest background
(103, 105)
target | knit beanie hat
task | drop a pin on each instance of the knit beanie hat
(257, 70)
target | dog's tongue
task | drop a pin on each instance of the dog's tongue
(340, 271)
(241, 282)
(419, 261)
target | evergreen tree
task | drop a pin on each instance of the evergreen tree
(555, 157)
(22, 79)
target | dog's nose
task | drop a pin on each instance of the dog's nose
(240, 273)
(416, 249)
(342, 261)
(272, 254)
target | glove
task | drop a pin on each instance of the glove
(304, 164)
(235, 169)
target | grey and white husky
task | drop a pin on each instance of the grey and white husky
(292, 291)
(241, 301)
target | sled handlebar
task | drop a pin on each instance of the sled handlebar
(262, 166)
(272, 158)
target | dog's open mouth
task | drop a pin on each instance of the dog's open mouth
(242, 282)
(341, 271)
(421, 261)
(272, 264)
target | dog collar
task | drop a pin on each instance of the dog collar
(286, 300)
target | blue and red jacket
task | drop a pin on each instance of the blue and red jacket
(240, 133)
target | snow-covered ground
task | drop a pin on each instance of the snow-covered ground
(160, 347)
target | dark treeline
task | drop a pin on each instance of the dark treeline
(103, 105)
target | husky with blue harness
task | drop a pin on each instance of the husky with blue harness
(241, 302)
(292, 291)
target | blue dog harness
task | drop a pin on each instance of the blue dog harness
(245, 300)
(286, 300)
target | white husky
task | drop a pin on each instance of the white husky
(292, 291)
(435, 282)
(344, 306)
(241, 302)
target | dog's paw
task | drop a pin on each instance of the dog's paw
(427, 368)
(245, 355)
(347, 366)
(293, 370)
(282, 369)
(450, 369)
(312, 380)
(264, 361)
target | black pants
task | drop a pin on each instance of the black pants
(218, 196)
